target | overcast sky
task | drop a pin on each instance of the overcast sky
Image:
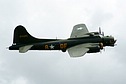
(56, 18)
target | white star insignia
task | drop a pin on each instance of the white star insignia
(51, 47)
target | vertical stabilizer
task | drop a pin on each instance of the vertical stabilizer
(21, 36)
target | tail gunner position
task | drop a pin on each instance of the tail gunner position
(80, 42)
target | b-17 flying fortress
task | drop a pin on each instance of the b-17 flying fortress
(80, 42)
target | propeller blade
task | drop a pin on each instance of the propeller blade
(100, 30)
(102, 33)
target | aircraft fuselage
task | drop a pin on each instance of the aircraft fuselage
(60, 44)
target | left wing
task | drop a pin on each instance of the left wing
(79, 30)
(78, 51)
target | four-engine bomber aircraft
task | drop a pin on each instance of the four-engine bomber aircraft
(80, 42)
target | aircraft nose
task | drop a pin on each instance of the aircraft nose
(113, 42)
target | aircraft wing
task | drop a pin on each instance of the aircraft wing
(79, 30)
(78, 51)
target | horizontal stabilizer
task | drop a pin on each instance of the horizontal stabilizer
(25, 48)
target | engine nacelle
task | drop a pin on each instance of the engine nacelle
(94, 49)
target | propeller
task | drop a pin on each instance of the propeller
(100, 32)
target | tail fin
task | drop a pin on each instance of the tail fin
(21, 36)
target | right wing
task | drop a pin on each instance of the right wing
(78, 51)
(79, 30)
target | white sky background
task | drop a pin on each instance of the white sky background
(55, 18)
